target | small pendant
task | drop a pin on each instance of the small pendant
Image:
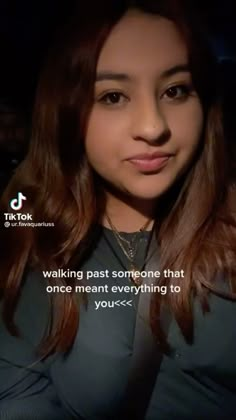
(131, 253)
(136, 276)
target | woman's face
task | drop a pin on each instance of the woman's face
(146, 120)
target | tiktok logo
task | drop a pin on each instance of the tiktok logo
(17, 203)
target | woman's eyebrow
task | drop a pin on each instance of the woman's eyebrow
(179, 68)
(110, 75)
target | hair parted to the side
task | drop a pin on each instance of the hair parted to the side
(196, 228)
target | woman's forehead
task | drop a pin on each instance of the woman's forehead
(142, 42)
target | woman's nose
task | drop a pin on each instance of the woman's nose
(150, 123)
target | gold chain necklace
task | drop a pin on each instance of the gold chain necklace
(131, 253)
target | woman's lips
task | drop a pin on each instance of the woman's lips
(149, 164)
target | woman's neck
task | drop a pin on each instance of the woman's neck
(127, 214)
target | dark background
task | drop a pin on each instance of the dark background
(25, 31)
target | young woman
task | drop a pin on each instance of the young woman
(129, 161)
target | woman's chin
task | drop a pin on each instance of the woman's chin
(148, 194)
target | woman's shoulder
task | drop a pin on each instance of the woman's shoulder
(32, 312)
(26, 390)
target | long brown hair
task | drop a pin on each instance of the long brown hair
(196, 228)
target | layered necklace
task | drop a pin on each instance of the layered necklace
(130, 249)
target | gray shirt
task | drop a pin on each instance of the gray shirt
(195, 381)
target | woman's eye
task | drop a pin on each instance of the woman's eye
(113, 98)
(177, 92)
